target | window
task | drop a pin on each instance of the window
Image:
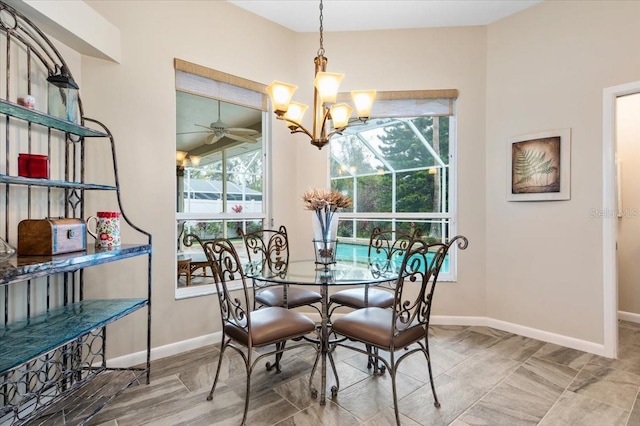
(399, 168)
(220, 167)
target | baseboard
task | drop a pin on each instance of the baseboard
(176, 348)
(533, 333)
(629, 316)
(545, 336)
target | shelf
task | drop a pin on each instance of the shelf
(23, 268)
(53, 365)
(24, 340)
(33, 116)
(74, 406)
(19, 180)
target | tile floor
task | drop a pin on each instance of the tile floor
(483, 377)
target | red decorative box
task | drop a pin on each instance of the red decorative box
(33, 166)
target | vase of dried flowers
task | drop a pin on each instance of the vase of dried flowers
(324, 205)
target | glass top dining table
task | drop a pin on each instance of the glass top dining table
(354, 271)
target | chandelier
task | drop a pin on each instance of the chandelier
(325, 109)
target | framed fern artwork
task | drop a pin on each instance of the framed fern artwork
(539, 166)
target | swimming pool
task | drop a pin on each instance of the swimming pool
(347, 251)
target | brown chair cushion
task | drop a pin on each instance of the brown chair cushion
(296, 296)
(373, 326)
(271, 325)
(354, 298)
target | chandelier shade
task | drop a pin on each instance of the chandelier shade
(295, 112)
(327, 85)
(340, 114)
(329, 118)
(280, 94)
(363, 100)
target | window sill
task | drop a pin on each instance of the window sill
(203, 290)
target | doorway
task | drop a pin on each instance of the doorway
(610, 221)
(628, 161)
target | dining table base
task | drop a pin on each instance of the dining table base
(325, 352)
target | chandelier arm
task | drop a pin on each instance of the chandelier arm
(352, 122)
(325, 120)
(299, 130)
(299, 127)
(357, 121)
(336, 132)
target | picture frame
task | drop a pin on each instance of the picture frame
(539, 166)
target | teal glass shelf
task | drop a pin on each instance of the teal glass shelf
(22, 268)
(38, 117)
(19, 180)
(25, 340)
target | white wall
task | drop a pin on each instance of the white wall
(628, 154)
(547, 67)
(136, 100)
(534, 264)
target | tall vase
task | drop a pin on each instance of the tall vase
(325, 234)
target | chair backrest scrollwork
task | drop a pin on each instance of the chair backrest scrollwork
(226, 266)
(270, 247)
(388, 247)
(420, 267)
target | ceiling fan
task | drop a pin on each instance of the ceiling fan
(219, 129)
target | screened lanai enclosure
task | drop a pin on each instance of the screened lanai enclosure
(227, 182)
(397, 170)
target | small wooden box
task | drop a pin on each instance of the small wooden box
(44, 237)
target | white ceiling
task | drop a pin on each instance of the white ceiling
(359, 15)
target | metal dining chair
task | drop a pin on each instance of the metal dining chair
(269, 248)
(406, 325)
(386, 251)
(243, 328)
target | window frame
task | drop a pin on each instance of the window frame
(403, 100)
(203, 81)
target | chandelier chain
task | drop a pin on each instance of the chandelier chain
(321, 50)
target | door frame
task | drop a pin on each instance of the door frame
(609, 221)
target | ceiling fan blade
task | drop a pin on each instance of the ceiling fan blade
(243, 131)
(240, 138)
(206, 127)
(188, 133)
(212, 138)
